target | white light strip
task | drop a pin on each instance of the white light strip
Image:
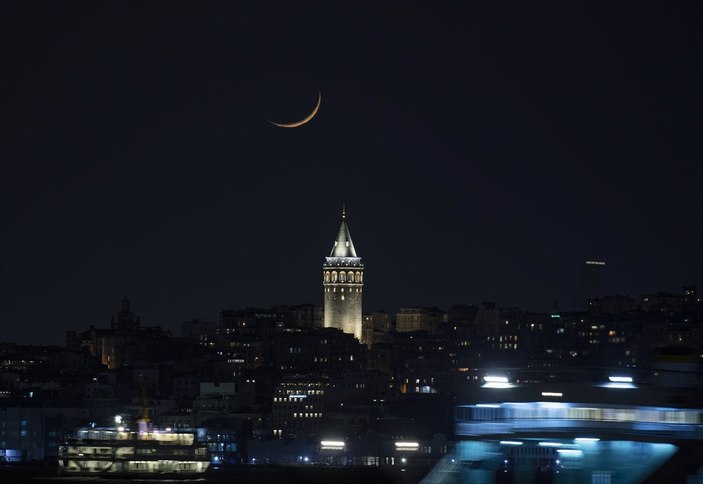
(551, 444)
(496, 385)
(488, 405)
(510, 442)
(586, 439)
(496, 379)
(332, 443)
(618, 385)
(407, 445)
(569, 452)
(620, 379)
(552, 394)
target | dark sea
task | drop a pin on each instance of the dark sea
(236, 475)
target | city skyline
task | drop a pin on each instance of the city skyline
(483, 153)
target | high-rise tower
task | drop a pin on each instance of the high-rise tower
(343, 280)
(592, 276)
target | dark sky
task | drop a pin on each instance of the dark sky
(483, 152)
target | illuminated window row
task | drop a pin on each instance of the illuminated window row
(538, 410)
(298, 383)
(334, 276)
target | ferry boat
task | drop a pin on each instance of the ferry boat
(120, 452)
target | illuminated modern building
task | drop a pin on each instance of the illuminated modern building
(343, 276)
(298, 405)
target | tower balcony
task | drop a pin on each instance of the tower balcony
(343, 262)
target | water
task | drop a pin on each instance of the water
(239, 475)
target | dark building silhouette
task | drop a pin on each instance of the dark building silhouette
(125, 320)
(124, 343)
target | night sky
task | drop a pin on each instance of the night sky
(483, 151)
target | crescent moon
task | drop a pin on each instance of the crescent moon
(303, 121)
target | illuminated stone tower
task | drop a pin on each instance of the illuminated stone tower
(343, 280)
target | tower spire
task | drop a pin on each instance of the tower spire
(343, 245)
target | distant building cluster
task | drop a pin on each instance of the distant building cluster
(331, 383)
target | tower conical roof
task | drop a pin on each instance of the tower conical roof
(343, 246)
